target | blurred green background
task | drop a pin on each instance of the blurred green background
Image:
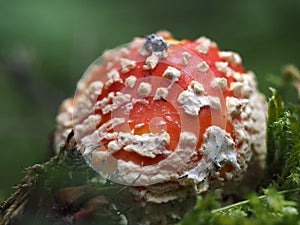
(45, 46)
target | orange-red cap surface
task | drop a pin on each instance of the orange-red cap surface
(159, 110)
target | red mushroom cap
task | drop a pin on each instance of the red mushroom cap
(159, 110)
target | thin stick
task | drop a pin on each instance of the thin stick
(247, 201)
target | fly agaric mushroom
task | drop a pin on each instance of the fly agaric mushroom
(159, 112)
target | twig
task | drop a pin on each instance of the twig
(245, 202)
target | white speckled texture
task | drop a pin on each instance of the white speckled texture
(161, 71)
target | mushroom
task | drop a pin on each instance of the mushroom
(165, 116)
